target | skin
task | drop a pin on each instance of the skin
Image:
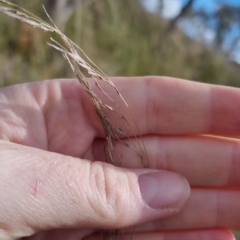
(51, 136)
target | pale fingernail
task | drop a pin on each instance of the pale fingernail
(163, 189)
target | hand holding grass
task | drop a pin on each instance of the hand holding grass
(54, 176)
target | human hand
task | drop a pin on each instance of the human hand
(42, 190)
(50, 178)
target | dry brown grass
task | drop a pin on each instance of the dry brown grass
(83, 68)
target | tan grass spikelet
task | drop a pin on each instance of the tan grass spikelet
(83, 68)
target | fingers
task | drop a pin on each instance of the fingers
(172, 106)
(41, 190)
(159, 105)
(180, 235)
(205, 209)
(205, 161)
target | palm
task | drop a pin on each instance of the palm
(62, 124)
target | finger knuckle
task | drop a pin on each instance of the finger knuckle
(111, 189)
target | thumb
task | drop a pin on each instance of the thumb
(41, 190)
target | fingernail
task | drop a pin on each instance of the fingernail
(163, 189)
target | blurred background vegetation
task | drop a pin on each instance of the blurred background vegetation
(123, 38)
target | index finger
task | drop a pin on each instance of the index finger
(165, 105)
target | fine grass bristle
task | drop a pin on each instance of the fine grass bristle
(83, 68)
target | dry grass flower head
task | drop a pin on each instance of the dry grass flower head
(84, 68)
